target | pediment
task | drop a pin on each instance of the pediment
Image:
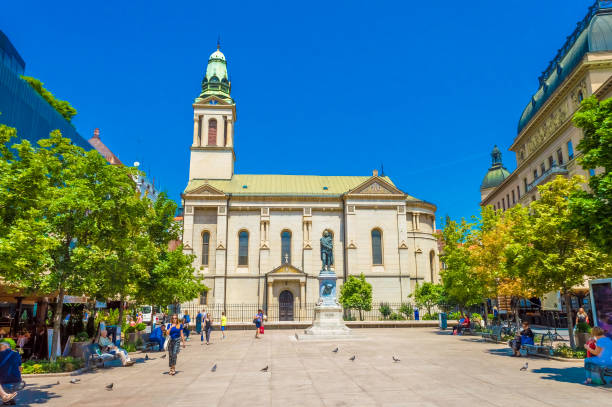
(375, 186)
(212, 98)
(286, 269)
(206, 189)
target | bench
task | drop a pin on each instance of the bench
(495, 335)
(603, 370)
(469, 330)
(537, 350)
(93, 354)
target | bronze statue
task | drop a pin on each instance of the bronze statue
(327, 250)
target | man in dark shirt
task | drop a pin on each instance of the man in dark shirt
(10, 372)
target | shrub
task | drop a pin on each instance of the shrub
(62, 364)
(141, 327)
(350, 318)
(385, 310)
(456, 315)
(430, 317)
(583, 328)
(81, 337)
(565, 351)
(130, 347)
(475, 317)
(130, 329)
(407, 310)
(490, 317)
(139, 342)
(396, 316)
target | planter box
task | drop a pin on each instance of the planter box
(78, 349)
(581, 339)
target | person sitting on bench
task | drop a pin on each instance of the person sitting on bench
(158, 336)
(464, 322)
(603, 357)
(10, 372)
(525, 337)
(108, 346)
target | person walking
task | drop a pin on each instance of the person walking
(199, 320)
(208, 328)
(257, 321)
(10, 372)
(186, 322)
(204, 314)
(223, 324)
(175, 332)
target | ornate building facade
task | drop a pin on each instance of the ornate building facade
(546, 139)
(256, 237)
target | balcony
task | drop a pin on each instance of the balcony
(547, 175)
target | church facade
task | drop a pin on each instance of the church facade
(256, 238)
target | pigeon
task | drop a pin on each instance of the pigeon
(110, 386)
(214, 368)
(352, 358)
(75, 381)
(525, 367)
(57, 382)
(146, 356)
(265, 369)
(395, 359)
(164, 356)
(335, 350)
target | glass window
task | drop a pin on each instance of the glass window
(542, 168)
(508, 199)
(376, 247)
(286, 247)
(205, 248)
(503, 203)
(570, 150)
(550, 162)
(560, 156)
(243, 248)
(513, 198)
(535, 174)
(518, 192)
(525, 183)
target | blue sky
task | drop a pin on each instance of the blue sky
(330, 88)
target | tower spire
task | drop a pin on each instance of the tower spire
(219, 42)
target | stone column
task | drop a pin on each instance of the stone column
(269, 296)
(433, 217)
(230, 133)
(402, 236)
(222, 243)
(418, 221)
(196, 122)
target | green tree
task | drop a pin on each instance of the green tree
(592, 210)
(61, 106)
(427, 295)
(66, 214)
(356, 293)
(461, 283)
(384, 309)
(558, 257)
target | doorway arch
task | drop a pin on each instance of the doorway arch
(285, 306)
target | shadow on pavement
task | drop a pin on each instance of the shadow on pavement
(566, 375)
(36, 394)
(501, 352)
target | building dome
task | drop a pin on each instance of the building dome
(216, 79)
(497, 173)
(592, 34)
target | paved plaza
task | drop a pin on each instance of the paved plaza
(436, 369)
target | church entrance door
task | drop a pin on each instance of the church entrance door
(285, 306)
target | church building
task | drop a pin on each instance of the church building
(256, 238)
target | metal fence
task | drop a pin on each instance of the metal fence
(301, 313)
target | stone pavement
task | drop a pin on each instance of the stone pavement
(436, 369)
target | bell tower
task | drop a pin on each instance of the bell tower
(214, 114)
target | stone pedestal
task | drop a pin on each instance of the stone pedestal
(328, 322)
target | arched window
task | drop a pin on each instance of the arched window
(212, 132)
(286, 247)
(243, 248)
(205, 248)
(377, 257)
(432, 266)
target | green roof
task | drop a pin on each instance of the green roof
(284, 185)
(592, 34)
(494, 177)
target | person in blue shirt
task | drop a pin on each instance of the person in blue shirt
(158, 336)
(186, 321)
(199, 320)
(10, 372)
(175, 332)
(603, 357)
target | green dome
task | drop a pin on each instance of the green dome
(497, 173)
(216, 79)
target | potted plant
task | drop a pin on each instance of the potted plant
(583, 333)
(80, 342)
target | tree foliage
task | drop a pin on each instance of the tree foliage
(61, 106)
(356, 293)
(592, 210)
(428, 295)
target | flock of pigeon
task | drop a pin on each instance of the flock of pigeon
(395, 359)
